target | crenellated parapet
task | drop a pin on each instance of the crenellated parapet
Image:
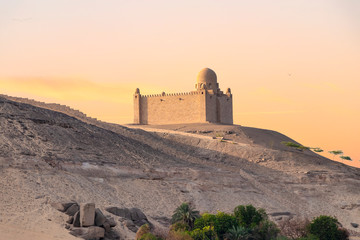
(171, 94)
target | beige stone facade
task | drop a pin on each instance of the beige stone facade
(206, 104)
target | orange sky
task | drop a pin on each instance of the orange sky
(293, 66)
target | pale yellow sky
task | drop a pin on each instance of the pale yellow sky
(293, 66)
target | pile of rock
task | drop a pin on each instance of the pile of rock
(85, 220)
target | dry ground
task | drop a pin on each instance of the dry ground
(48, 156)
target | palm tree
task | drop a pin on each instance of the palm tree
(237, 233)
(185, 213)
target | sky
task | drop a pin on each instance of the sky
(293, 65)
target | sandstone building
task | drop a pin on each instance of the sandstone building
(206, 104)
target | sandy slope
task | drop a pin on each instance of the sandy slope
(47, 156)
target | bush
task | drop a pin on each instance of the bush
(206, 219)
(180, 226)
(149, 236)
(248, 216)
(295, 228)
(207, 233)
(326, 228)
(178, 235)
(221, 222)
(144, 229)
(266, 230)
(224, 222)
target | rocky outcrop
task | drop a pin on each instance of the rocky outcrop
(132, 218)
(87, 222)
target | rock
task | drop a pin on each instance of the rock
(111, 221)
(274, 214)
(67, 226)
(87, 214)
(355, 225)
(133, 214)
(99, 218)
(92, 232)
(76, 222)
(62, 207)
(70, 220)
(106, 226)
(121, 212)
(72, 209)
(130, 225)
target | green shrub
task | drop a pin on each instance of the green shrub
(206, 219)
(180, 226)
(149, 236)
(326, 228)
(179, 235)
(207, 233)
(266, 230)
(224, 222)
(248, 216)
(144, 229)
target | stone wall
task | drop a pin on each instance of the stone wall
(191, 107)
(172, 108)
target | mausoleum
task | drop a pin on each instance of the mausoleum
(207, 104)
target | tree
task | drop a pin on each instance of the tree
(237, 233)
(346, 158)
(185, 213)
(326, 228)
(295, 145)
(248, 216)
(336, 152)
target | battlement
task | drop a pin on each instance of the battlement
(171, 94)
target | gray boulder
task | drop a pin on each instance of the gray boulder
(76, 222)
(355, 225)
(99, 218)
(133, 214)
(72, 209)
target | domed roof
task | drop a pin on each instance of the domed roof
(207, 75)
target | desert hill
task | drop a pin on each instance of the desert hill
(51, 156)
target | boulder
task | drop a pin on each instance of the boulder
(70, 220)
(106, 226)
(72, 209)
(111, 221)
(88, 233)
(76, 221)
(133, 214)
(130, 225)
(355, 225)
(62, 207)
(99, 218)
(87, 214)
(121, 212)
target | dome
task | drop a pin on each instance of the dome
(207, 79)
(207, 75)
